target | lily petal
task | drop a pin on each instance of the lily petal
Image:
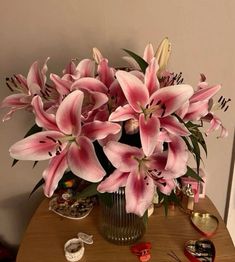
(61, 85)
(149, 129)
(86, 68)
(205, 93)
(54, 172)
(89, 83)
(172, 97)
(196, 110)
(165, 186)
(173, 126)
(135, 91)
(148, 53)
(139, 193)
(123, 113)
(122, 156)
(151, 80)
(113, 182)
(43, 119)
(40, 146)
(35, 79)
(177, 156)
(68, 116)
(83, 161)
(16, 100)
(99, 130)
(106, 74)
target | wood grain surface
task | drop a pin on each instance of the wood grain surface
(47, 233)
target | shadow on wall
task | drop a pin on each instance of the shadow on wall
(18, 210)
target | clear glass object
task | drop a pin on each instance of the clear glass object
(116, 225)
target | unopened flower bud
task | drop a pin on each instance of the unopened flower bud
(162, 55)
(132, 126)
(97, 55)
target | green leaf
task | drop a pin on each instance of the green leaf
(89, 191)
(141, 62)
(145, 218)
(33, 130)
(196, 151)
(40, 183)
(193, 174)
(202, 142)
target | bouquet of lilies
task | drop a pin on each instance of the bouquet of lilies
(142, 119)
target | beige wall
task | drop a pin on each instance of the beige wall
(202, 35)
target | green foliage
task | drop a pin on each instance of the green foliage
(167, 199)
(89, 191)
(141, 62)
(193, 174)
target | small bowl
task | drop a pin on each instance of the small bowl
(74, 249)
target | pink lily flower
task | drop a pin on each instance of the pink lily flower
(66, 142)
(34, 84)
(148, 109)
(140, 174)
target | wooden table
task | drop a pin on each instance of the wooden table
(47, 232)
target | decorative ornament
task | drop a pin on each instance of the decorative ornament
(142, 251)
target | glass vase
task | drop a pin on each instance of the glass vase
(116, 225)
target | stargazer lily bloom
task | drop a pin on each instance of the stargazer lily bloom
(34, 84)
(66, 142)
(141, 174)
(148, 109)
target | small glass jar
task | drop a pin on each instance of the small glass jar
(116, 225)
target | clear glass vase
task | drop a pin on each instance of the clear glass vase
(116, 225)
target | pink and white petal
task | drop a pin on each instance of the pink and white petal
(40, 146)
(173, 126)
(113, 182)
(86, 68)
(68, 116)
(9, 114)
(83, 161)
(172, 97)
(182, 111)
(54, 172)
(16, 100)
(42, 118)
(205, 93)
(215, 123)
(148, 53)
(89, 83)
(123, 113)
(106, 74)
(70, 69)
(177, 156)
(98, 99)
(113, 137)
(61, 85)
(166, 186)
(116, 94)
(138, 74)
(197, 110)
(151, 80)
(149, 129)
(123, 156)
(223, 133)
(135, 91)
(35, 80)
(99, 130)
(139, 193)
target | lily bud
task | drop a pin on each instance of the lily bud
(162, 55)
(97, 55)
(132, 126)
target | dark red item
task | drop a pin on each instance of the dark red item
(5, 254)
(142, 251)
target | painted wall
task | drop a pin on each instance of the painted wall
(202, 36)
